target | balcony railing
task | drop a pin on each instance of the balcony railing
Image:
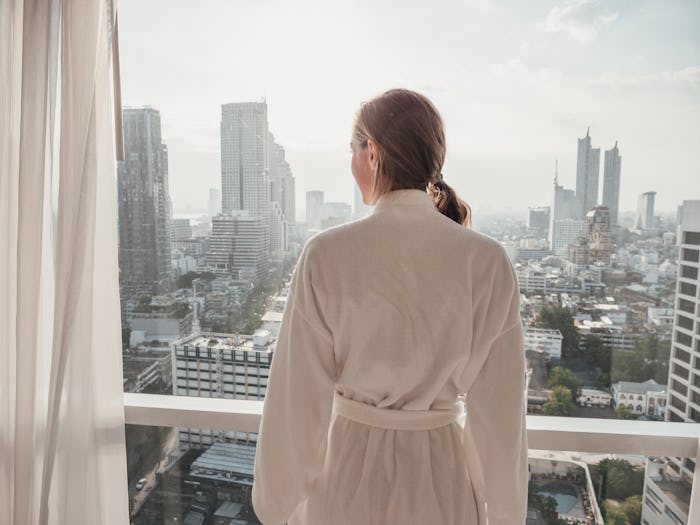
(614, 436)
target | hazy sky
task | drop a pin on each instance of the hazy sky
(516, 82)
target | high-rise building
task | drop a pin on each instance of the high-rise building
(214, 205)
(538, 221)
(237, 246)
(668, 481)
(563, 218)
(282, 185)
(645, 211)
(314, 203)
(611, 183)
(181, 229)
(278, 231)
(244, 159)
(599, 240)
(144, 205)
(587, 172)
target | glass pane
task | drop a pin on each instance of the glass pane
(208, 477)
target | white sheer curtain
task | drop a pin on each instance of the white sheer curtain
(62, 453)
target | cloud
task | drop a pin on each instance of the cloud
(581, 19)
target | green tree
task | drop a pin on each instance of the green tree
(613, 515)
(560, 318)
(623, 478)
(560, 402)
(632, 507)
(561, 376)
(624, 413)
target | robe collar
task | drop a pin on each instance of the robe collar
(405, 197)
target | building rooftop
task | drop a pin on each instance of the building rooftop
(226, 461)
(647, 386)
(218, 341)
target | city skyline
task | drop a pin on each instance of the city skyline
(511, 103)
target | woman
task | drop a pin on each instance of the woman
(388, 320)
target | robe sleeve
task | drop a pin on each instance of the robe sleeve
(496, 408)
(292, 438)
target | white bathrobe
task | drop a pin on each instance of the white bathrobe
(404, 309)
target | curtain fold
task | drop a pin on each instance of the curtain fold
(62, 452)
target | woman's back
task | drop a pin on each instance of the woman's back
(388, 320)
(406, 305)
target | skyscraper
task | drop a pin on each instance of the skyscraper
(144, 205)
(645, 211)
(668, 481)
(244, 159)
(237, 246)
(611, 183)
(214, 204)
(587, 171)
(282, 185)
(314, 203)
(564, 225)
(538, 220)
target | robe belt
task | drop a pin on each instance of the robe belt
(397, 419)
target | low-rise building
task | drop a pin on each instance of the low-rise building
(647, 398)
(544, 341)
(229, 366)
(594, 397)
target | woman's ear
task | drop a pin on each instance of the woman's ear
(373, 156)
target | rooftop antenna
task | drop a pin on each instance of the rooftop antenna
(556, 172)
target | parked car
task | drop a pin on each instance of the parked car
(141, 483)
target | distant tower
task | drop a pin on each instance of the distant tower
(563, 223)
(598, 230)
(144, 205)
(645, 211)
(282, 186)
(245, 185)
(611, 183)
(214, 205)
(587, 172)
(244, 158)
(314, 203)
(538, 220)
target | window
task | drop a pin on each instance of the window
(691, 238)
(690, 255)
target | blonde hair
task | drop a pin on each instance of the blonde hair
(410, 138)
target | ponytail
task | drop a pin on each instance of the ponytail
(410, 138)
(448, 203)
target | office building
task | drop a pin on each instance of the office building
(538, 221)
(611, 183)
(278, 231)
(587, 172)
(645, 211)
(314, 203)
(668, 481)
(599, 240)
(237, 246)
(214, 204)
(227, 366)
(282, 184)
(564, 210)
(244, 159)
(144, 205)
(181, 230)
